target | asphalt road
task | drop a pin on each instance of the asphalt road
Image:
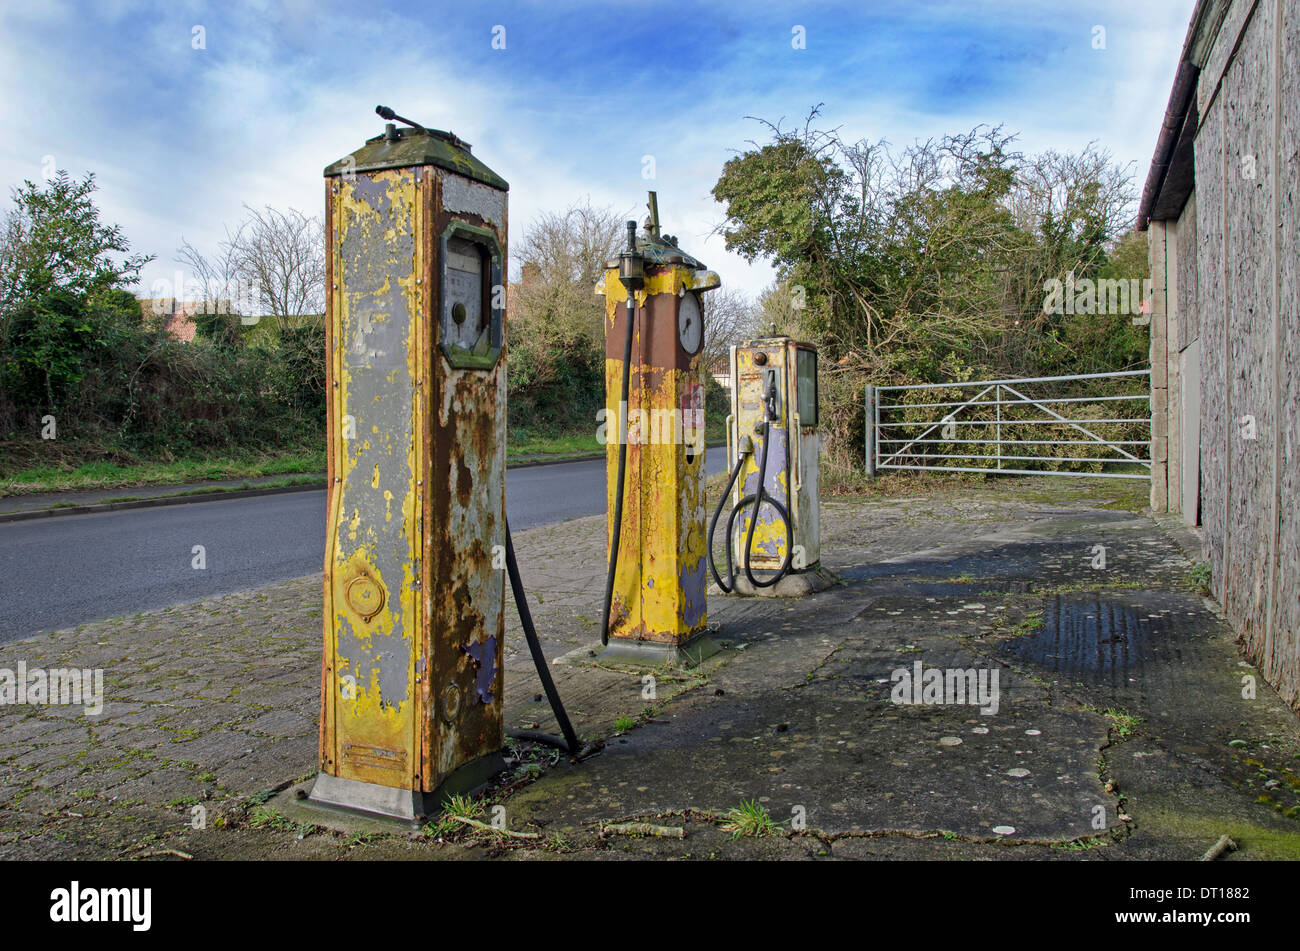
(60, 571)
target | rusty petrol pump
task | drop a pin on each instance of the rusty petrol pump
(411, 681)
(774, 523)
(654, 609)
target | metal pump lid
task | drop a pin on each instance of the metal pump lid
(403, 148)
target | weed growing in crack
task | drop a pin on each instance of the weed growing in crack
(749, 820)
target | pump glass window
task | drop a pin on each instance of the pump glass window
(806, 382)
(472, 310)
(464, 326)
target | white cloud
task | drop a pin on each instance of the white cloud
(180, 139)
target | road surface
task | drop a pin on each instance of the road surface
(65, 570)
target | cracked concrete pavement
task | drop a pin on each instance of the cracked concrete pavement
(1123, 728)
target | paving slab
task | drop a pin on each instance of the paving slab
(1126, 723)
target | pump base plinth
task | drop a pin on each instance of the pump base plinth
(353, 797)
(797, 584)
(688, 653)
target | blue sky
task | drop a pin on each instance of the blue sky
(180, 138)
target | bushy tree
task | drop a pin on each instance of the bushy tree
(556, 357)
(924, 264)
(74, 343)
(60, 291)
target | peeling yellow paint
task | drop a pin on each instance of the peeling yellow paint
(659, 586)
(373, 737)
(396, 626)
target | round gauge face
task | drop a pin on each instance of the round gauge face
(690, 323)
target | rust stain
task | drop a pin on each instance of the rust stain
(659, 585)
(416, 499)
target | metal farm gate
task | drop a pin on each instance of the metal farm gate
(1094, 425)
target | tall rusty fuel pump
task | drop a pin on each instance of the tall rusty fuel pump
(654, 606)
(417, 546)
(774, 524)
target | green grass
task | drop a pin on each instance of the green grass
(107, 475)
(446, 825)
(64, 468)
(524, 443)
(1198, 578)
(1030, 623)
(749, 820)
(313, 479)
(264, 818)
(624, 723)
(1122, 722)
(848, 480)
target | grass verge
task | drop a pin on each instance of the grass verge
(60, 476)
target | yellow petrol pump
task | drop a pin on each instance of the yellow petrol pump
(772, 450)
(654, 431)
(411, 683)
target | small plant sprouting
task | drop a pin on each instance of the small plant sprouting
(624, 723)
(1032, 622)
(749, 819)
(463, 807)
(1198, 578)
(264, 818)
(1122, 722)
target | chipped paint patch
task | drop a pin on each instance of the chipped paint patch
(661, 580)
(470, 197)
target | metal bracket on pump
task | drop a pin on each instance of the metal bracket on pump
(771, 397)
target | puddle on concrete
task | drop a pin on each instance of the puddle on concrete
(1089, 634)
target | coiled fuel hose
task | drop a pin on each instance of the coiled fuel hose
(758, 498)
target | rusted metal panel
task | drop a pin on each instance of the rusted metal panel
(326, 721)
(465, 541)
(660, 583)
(415, 594)
(791, 447)
(371, 551)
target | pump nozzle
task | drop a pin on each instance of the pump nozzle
(385, 113)
(631, 264)
(771, 398)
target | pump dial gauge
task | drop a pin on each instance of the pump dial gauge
(690, 323)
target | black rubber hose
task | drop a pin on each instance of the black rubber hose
(617, 531)
(569, 742)
(759, 495)
(730, 583)
(731, 524)
(757, 498)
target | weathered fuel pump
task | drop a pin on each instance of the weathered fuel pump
(654, 427)
(772, 451)
(411, 682)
